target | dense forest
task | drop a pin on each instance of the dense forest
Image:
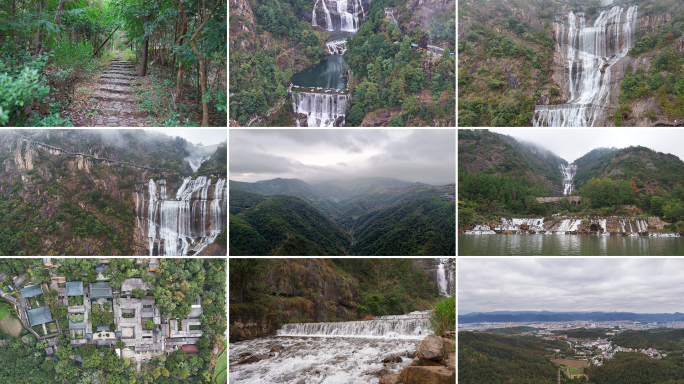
(49, 205)
(329, 289)
(498, 359)
(388, 76)
(53, 53)
(369, 220)
(24, 360)
(509, 62)
(498, 178)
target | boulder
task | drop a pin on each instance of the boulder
(449, 345)
(426, 375)
(254, 359)
(392, 359)
(418, 362)
(389, 379)
(431, 348)
(276, 348)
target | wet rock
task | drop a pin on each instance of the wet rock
(392, 359)
(389, 379)
(431, 348)
(418, 362)
(254, 359)
(302, 381)
(426, 375)
(380, 372)
(276, 348)
(410, 354)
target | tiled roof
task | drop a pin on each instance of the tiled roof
(74, 288)
(39, 316)
(31, 291)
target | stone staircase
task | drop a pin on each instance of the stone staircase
(115, 96)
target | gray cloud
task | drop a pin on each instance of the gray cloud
(570, 284)
(313, 155)
(571, 144)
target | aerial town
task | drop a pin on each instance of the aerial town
(109, 303)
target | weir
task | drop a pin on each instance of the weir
(322, 109)
(589, 54)
(611, 225)
(411, 326)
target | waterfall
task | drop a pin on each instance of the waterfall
(189, 222)
(589, 53)
(322, 109)
(514, 224)
(328, 21)
(568, 173)
(336, 46)
(348, 21)
(443, 279)
(411, 326)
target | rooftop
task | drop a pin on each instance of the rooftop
(74, 288)
(33, 290)
(100, 289)
(39, 316)
(131, 284)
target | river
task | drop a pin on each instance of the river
(568, 245)
(331, 353)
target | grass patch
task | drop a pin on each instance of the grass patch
(221, 371)
(443, 316)
(4, 312)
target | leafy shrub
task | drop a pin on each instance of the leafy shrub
(68, 55)
(19, 92)
(443, 316)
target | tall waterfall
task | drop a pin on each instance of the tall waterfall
(589, 53)
(411, 326)
(189, 222)
(322, 109)
(341, 19)
(568, 173)
(443, 279)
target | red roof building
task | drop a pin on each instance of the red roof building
(189, 348)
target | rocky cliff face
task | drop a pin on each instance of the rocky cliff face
(243, 23)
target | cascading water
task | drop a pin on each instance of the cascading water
(322, 109)
(589, 52)
(336, 46)
(348, 21)
(189, 222)
(568, 173)
(443, 278)
(411, 326)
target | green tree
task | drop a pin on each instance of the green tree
(356, 116)
(396, 121)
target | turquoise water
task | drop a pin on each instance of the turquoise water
(326, 74)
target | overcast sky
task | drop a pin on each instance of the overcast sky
(196, 135)
(640, 285)
(419, 155)
(571, 144)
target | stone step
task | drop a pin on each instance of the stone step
(117, 76)
(104, 95)
(116, 81)
(116, 89)
(119, 72)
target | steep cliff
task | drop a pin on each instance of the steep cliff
(71, 192)
(534, 56)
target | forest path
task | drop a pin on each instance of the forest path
(113, 101)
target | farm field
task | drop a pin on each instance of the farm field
(577, 364)
(574, 372)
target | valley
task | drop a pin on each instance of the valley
(331, 192)
(608, 202)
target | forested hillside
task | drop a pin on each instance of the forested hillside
(393, 84)
(289, 226)
(489, 358)
(318, 289)
(421, 227)
(378, 216)
(497, 174)
(651, 180)
(53, 53)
